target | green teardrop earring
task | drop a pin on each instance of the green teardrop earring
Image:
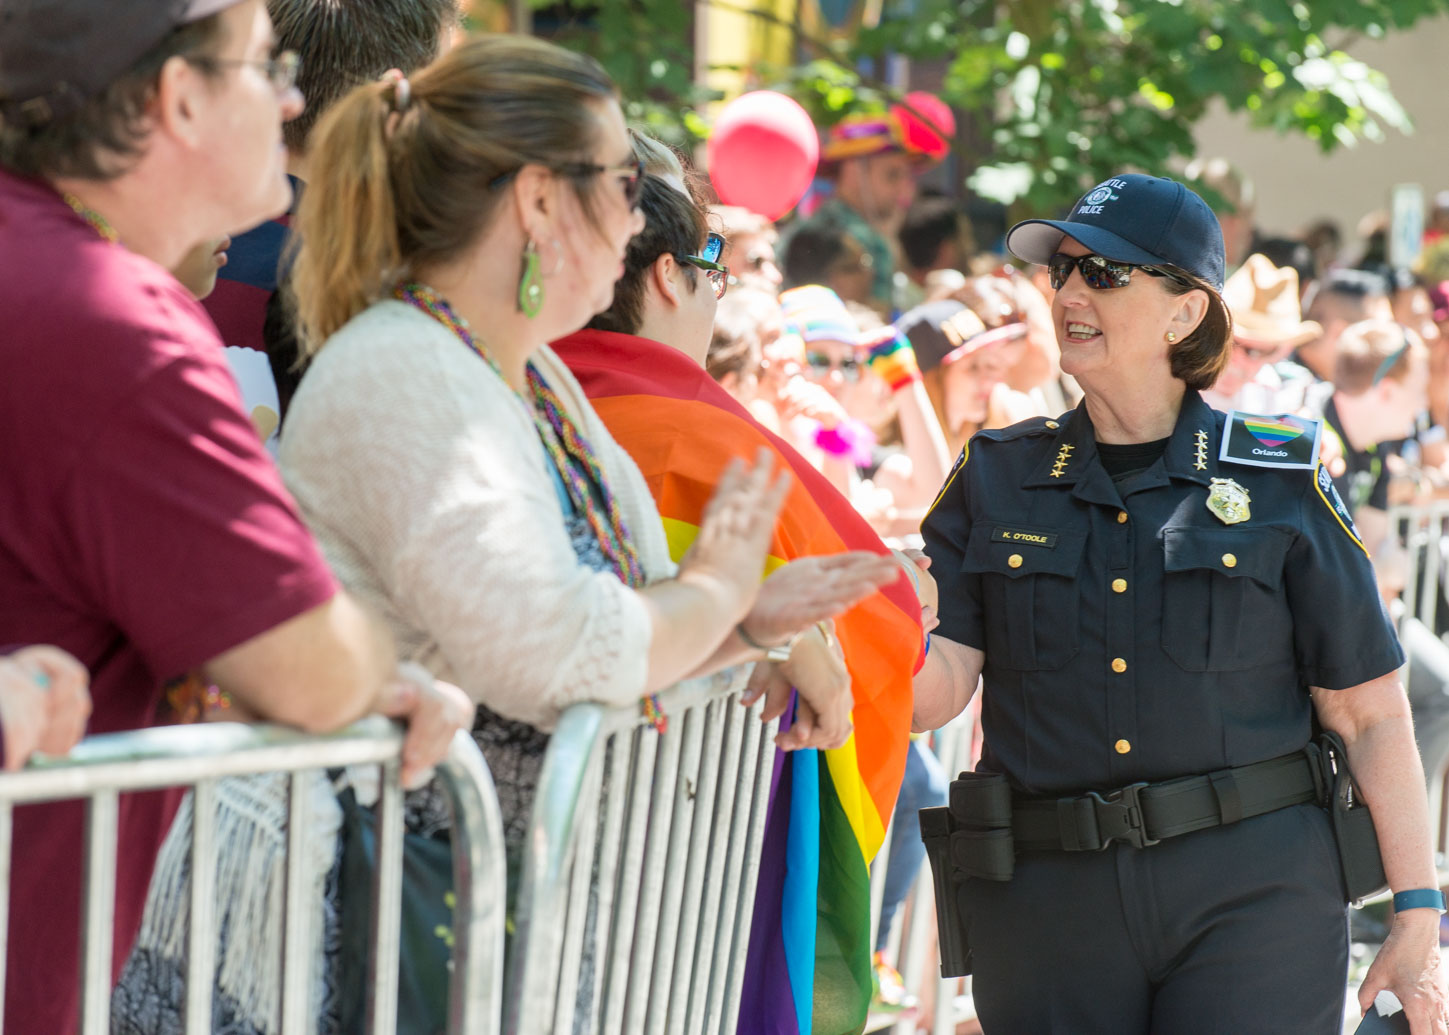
(530, 284)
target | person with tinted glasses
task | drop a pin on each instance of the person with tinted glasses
(450, 466)
(1162, 603)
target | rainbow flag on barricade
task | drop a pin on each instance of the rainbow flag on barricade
(809, 962)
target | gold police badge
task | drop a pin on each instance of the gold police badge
(1228, 501)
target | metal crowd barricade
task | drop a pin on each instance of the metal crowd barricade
(102, 767)
(911, 942)
(639, 869)
(1422, 534)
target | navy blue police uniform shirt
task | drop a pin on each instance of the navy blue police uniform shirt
(1130, 634)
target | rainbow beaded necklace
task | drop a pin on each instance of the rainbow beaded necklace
(583, 477)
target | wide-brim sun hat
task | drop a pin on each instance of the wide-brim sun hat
(1263, 299)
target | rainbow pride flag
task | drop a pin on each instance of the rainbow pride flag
(809, 962)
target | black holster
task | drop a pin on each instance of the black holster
(970, 838)
(1353, 826)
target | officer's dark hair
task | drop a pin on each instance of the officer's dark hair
(929, 223)
(103, 137)
(673, 225)
(342, 45)
(1200, 358)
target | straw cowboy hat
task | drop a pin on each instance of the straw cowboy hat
(1263, 299)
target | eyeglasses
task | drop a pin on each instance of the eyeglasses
(631, 175)
(281, 71)
(822, 363)
(1099, 273)
(708, 260)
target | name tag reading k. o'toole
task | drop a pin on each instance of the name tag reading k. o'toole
(1024, 537)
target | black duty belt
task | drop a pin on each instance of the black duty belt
(1142, 814)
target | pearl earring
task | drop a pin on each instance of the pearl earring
(1171, 337)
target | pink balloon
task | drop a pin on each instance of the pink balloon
(931, 138)
(763, 153)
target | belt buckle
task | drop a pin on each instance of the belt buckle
(1119, 816)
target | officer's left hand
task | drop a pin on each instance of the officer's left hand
(1409, 966)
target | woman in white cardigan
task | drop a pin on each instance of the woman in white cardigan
(453, 472)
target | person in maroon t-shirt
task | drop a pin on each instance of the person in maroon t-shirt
(142, 527)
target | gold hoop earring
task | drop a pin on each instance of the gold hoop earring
(1171, 337)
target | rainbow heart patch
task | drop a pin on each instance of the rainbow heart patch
(1273, 432)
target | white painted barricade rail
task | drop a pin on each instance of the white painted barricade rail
(639, 869)
(101, 767)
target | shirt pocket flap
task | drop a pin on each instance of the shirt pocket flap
(1256, 553)
(1036, 551)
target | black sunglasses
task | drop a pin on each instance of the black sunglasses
(631, 176)
(708, 260)
(1101, 274)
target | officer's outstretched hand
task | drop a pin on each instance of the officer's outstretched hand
(1409, 966)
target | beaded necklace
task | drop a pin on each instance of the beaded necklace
(95, 219)
(583, 477)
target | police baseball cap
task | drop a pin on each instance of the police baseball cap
(1142, 220)
(55, 54)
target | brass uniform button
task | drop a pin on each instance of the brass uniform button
(1122, 747)
(1014, 560)
(1119, 585)
(1121, 517)
(1229, 561)
(1118, 665)
(1052, 425)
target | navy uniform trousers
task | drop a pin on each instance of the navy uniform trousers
(1131, 633)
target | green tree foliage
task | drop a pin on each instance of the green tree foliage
(1068, 91)
(1074, 90)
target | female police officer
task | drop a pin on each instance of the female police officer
(1144, 604)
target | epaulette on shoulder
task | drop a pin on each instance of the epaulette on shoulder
(1021, 429)
(1284, 440)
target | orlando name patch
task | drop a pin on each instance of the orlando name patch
(1023, 537)
(1282, 440)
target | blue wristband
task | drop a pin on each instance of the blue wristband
(1419, 898)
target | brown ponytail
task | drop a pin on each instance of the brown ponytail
(394, 190)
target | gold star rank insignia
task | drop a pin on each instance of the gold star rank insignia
(1064, 455)
(1200, 460)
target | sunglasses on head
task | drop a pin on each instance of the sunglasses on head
(630, 174)
(708, 261)
(1100, 273)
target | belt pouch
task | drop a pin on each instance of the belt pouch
(988, 854)
(981, 801)
(936, 830)
(1353, 826)
(981, 840)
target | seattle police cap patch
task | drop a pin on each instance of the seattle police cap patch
(1282, 440)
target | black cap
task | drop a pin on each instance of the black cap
(1143, 220)
(55, 54)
